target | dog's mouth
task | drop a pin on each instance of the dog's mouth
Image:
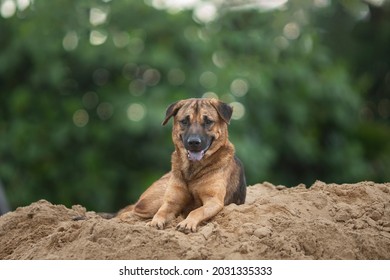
(195, 156)
(198, 155)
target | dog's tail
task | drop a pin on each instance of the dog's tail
(119, 214)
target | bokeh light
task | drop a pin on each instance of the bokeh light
(220, 59)
(8, 8)
(98, 16)
(291, 31)
(121, 39)
(105, 110)
(90, 100)
(239, 87)
(208, 79)
(136, 112)
(80, 118)
(321, 3)
(22, 4)
(97, 37)
(137, 87)
(176, 77)
(151, 77)
(238, 110)
(70, 41)
(281, 42)
(205, 12)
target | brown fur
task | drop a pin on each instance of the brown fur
(200, 183)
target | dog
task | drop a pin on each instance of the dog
(205, 173)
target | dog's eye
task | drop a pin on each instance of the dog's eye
(184, 122)
(207, 121)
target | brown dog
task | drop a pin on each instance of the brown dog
(205, 175)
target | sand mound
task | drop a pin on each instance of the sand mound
(350, 221)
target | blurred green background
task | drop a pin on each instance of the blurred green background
(84, 86)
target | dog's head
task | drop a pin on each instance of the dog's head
(200, 125)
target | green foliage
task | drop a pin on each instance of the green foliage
(84, 86)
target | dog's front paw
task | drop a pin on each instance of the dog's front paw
(157, 222)
(187, 226)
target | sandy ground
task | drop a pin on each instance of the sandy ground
(326, 221)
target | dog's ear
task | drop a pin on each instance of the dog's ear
(171, 111)
(224, 110)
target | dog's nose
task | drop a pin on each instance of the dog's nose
(194, 142)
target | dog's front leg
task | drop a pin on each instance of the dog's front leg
(211, 207)
(167, 212)
(175, 198)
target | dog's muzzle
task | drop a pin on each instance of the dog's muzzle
(196, 147)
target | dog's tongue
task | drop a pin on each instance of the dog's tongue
(195, 156)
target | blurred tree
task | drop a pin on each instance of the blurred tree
(84, 87)
(358, 33)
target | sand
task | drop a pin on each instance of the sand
(325, 221)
